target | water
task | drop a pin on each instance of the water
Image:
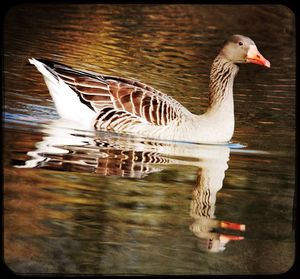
(86, 202)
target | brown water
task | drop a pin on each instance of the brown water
(85, 202)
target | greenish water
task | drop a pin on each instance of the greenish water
(86, 202)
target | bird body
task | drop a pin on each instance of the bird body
(122, 105)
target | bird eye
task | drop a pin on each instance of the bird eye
(240, 43)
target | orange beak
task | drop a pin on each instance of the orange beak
(253, 56)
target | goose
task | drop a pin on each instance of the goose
(122, 105)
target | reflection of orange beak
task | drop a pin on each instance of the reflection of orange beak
(253, 56)
(232, 226)
(227, 237)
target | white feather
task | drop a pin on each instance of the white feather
(66, 101)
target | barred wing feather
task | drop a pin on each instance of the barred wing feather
(114, 98)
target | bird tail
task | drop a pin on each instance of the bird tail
(67, 102)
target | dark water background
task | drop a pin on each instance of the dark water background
(99, 203)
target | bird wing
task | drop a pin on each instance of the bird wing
(120, 94)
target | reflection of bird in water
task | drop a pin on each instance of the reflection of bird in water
(109, 162)
(62, 149)
(109, 155)
(205, 226)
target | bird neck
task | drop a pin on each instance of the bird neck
(222, 77)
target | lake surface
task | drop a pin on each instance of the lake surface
(86, 202)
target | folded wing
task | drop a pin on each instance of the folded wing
(117, 97)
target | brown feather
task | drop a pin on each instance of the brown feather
(133, 98)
